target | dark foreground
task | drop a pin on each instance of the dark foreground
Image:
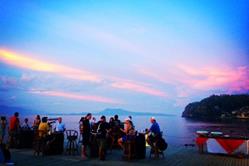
(174, 156)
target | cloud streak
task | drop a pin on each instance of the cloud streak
(26, 62)
(137, 87)
(76, 96)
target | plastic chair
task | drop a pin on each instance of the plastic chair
(72, 145)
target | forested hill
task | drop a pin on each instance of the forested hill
(219, 106)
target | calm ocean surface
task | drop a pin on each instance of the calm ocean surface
(176, 130)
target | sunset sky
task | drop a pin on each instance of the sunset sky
(139, 55)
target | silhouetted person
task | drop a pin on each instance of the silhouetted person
(102, 131)
(37, 122)
(14, 129)
(4, 142)
(86, 132)
(25, 125)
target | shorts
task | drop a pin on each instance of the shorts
(128, 138)
(124, 138)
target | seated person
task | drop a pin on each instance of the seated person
(43, 127)
(154, 132)
(60, 126)
(102, 131)
(129, 132)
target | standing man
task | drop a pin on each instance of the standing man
(86, 134)
(103, 129)
(14, 129)
(43, 127)
(60, 126)
(59, 129)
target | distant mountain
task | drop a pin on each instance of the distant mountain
(219, 107)
(8, 110)
(122, 112)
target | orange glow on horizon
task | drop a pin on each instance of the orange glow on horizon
(26, 62)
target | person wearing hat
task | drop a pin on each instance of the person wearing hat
(154, 131)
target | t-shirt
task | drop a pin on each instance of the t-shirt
(86, 126)
(60, 127)
(14, 122)
(43, 127)
(155, 129)
(115, 126)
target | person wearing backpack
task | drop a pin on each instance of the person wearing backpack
(154, 135)
(154, 132)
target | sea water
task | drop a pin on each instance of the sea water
(176, 130)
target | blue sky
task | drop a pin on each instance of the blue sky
(145, 56)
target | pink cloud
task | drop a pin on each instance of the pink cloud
(136, 86)
(216, 77)
(188, 79)
(75, 96)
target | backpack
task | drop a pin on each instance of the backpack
(162, 144)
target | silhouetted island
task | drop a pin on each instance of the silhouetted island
(219, 107)
(119, 111)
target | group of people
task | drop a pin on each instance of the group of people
(114, 130)
(10, 133)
